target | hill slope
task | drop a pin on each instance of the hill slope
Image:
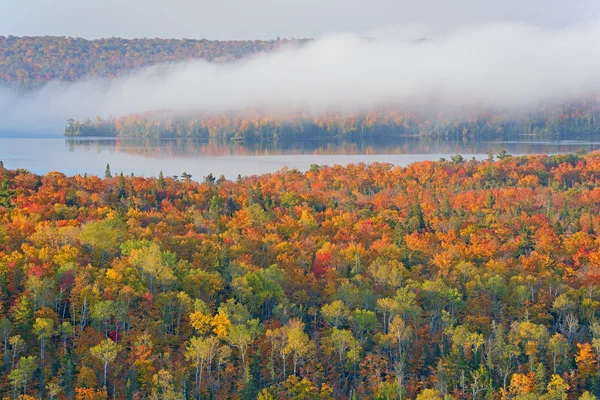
(31, 61)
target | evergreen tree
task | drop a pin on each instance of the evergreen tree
(107, 172)
(161, 181)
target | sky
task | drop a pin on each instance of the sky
(268, 19)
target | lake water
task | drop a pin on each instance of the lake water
(146, 157)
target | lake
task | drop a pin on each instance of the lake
(146, 157)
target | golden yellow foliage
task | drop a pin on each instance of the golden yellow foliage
(522, 384)
(200, 322)
(221, 324)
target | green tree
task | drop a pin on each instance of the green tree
(102, 313)
(558, 347)
(23, 373)
(103, 237)
(363, 323)
(107, 172)
(5, 331)
(23, 314)
(66, 331)
(160, 183)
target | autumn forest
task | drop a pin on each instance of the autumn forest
(30, 62)
(454, 279)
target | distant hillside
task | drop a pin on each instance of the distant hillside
(31, 61)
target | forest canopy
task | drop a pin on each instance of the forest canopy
(29, 62)
(454, 278)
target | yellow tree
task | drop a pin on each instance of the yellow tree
(400, 334)
(201, 352)
(162, 387)
(585, 359)
(240, 337)
(335, 313)
(53, 389)
(345, 346)
(558, 347)
(200, 322)
(278, 339)
(43, 328)
(557, 388)
(105, 351)
(220, 324)
(429, 394)
(298, 342)
(17, 345)
(522, 384)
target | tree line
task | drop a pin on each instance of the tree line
(581, 119)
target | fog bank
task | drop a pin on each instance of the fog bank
(500, 65)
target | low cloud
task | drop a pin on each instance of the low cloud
(497, 65)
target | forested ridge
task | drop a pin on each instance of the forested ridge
(31, 61)
(453, 279)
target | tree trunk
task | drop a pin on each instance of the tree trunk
(200, 380)
(105, 369)
(197, 385)
(295, 364)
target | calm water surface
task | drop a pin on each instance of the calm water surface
(146, 157)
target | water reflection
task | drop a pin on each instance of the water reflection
(162, 148)
(147, 157)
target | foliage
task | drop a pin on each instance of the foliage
(32, 61)
(450, 279)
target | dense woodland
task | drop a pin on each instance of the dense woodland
(29, 62)
(577, 119)
(453, 279)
